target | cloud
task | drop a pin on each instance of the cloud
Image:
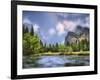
(36, 28)
(83, 23)
(45, 38)
(26, 21)
(65, 26)
(70, 20)
(87, 22)
(64, 15)
(52, 31)
(60, 29)
(69, 25)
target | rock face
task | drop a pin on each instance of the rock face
(71, 38)
(80, 33)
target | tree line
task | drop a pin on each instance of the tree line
(32, 44)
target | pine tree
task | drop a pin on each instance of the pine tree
(41, 43)
(32, 31)
(23, 29)
(56, 45)
(26, 30)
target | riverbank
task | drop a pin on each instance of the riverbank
(62, 53)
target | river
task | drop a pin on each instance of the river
(55, 61)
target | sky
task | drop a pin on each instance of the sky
(52, 27)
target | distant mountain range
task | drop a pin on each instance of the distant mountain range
(79, 34)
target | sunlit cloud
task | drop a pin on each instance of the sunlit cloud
(65, 26)
(52, 31)
(69, 25)
(71, 20)
(60, 29)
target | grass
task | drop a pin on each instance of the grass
(63, 53)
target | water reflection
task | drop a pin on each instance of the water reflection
(55, 61)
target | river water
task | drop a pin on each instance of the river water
(55, 61)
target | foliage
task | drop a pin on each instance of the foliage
(31, 44)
